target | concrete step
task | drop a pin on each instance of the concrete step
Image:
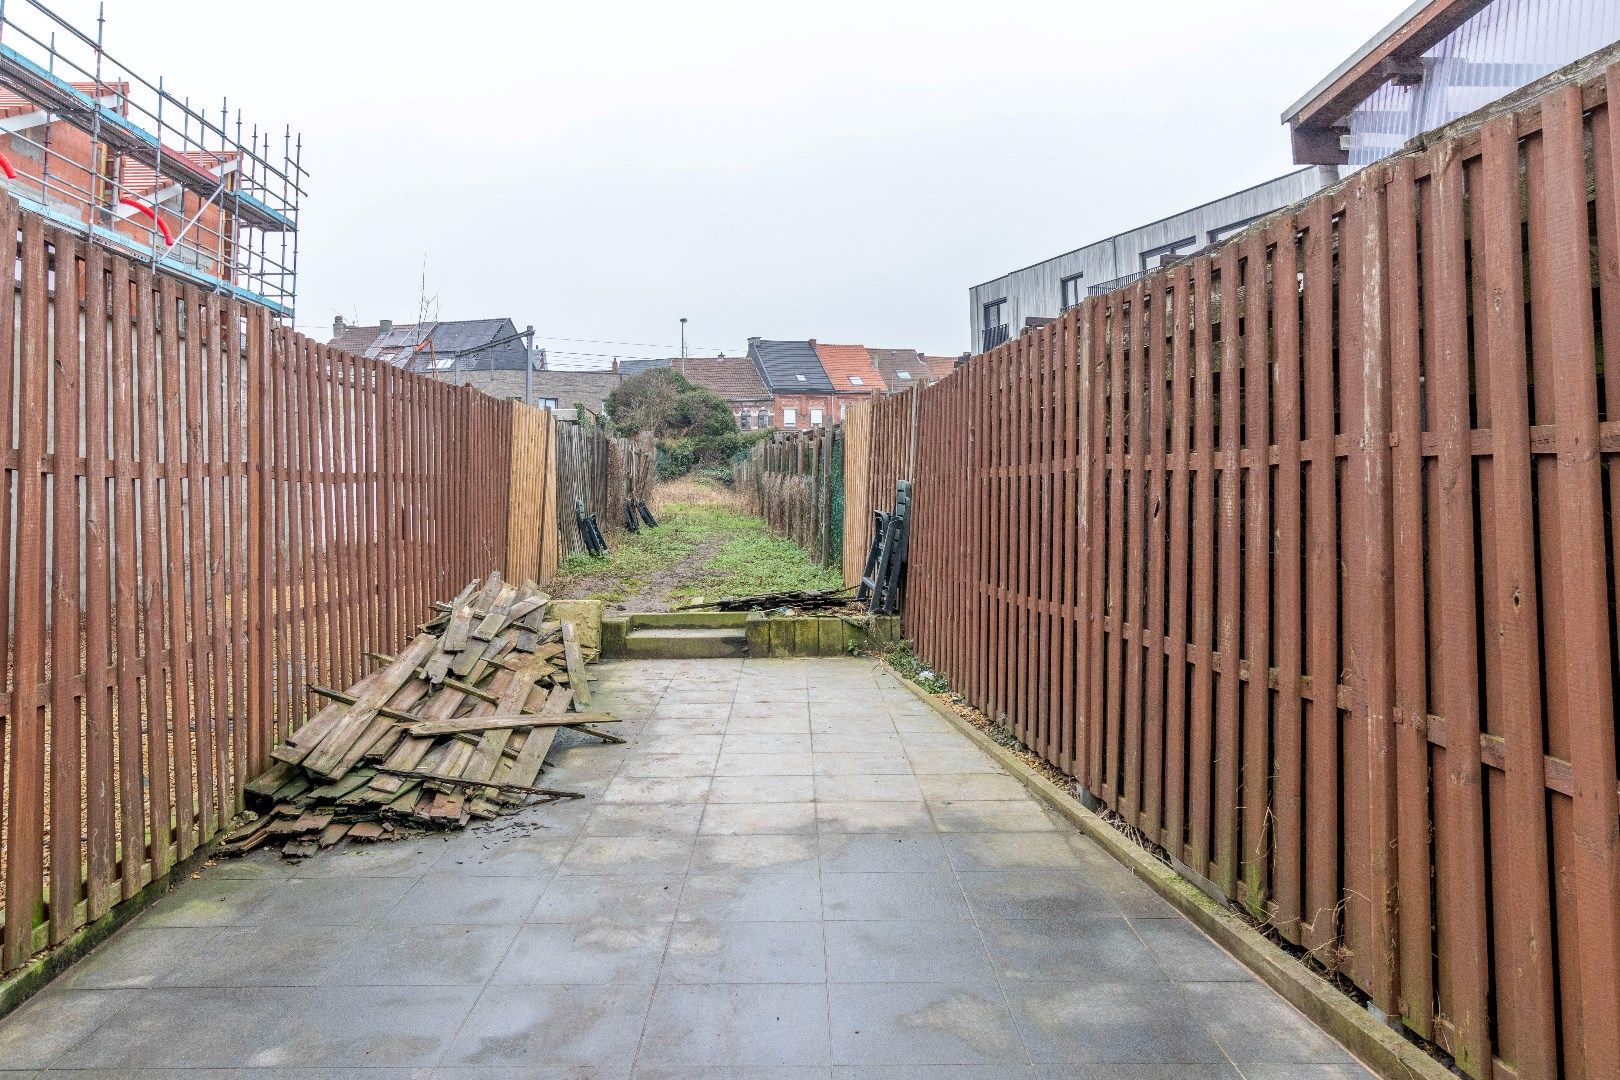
(685, 643)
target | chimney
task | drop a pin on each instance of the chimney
(384, 325)
(615, 365)
(338, 326)
(812, 343)
(753, 342)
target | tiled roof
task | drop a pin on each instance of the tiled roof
(416, 347)
(789, 367)
(850, 368)
(567, 388)
(900, 367)
(940, 366)
(13, 103)
(137, 177)
(733, 378)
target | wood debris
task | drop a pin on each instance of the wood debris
(454, 727)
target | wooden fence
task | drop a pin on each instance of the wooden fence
(204, 513)
(1299, 557)
(533, 545)
(601, 472)
(795, 480)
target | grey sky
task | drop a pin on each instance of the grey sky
(834, 170)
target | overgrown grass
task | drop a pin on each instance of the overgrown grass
(745, 559)
(904, 659)
(752, 561)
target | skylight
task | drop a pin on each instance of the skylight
(799, 377)
(904, 374)
(855, 380)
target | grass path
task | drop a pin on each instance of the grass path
(704, 545)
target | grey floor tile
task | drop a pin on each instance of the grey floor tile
(532, 1072)
(1012, 851)
(708, 951)
(210, 1028)
(644, 819)
(452, 898)
(770, 818)
(893, 896)
(1036, 894)
(328, 901)
(991, 815)
(1144, 1072)
(874, 745)
(788, 764)
(399, 858)
(883, 852)
(793, 724)
(862, 765)
(574, 1025)
(598, 951)
(211, 901)
(1011, 1071)
(726, 1072)
(246, 956)
(680, 744)
(868, 787)
(760, 789)
(1095, 1023)
(56, 1020)
(829, 719)
(920, 1024)
(751, 1024)
(876, 816)
(443, 955)
(1255, 1025)
(754, 854)
(790, 896)
(656, 855)
(1296, 1071)
(1185, 954)
(700, 764)
(657, 789)
(906, 950)
(776, 742)
(629, 898)
(137, 956)
(963, 786)
(1071, 950)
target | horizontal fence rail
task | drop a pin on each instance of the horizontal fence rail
(204, 513)
(1300, 557)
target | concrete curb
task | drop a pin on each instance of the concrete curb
(1379, 1046)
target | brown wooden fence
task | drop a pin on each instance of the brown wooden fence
(1300, 557)
(795, 480)
(600, 472)
(533, 545)
(204, 513)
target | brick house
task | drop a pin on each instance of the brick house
(851, 371)
(802, 394)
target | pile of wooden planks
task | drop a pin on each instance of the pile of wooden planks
(456, 726)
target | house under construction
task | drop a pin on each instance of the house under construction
(98, 149)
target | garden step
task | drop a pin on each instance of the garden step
(686, 643)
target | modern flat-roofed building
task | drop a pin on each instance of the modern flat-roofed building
(1005, 306)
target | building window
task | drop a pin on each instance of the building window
(742, 421)
(815, 417)
(799, 377)
(856, 380)
(1073, 291)
(843, 410)
(1157, 257)
(903, 375)
(790, 417)
(995, 323)
(763, 418)
(547, 403)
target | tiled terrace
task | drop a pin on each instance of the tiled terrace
(795, 871)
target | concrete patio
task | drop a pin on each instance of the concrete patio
(794, 871)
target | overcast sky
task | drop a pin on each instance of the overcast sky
(835, 170)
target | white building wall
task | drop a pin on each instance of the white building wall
(1036, 291)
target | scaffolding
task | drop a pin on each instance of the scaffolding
(90, 144)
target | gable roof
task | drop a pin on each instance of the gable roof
(939, 366)
(415, 346)
(891, 363)
(846, 363)
(789, 367)
(734, 379)
(567, 388)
